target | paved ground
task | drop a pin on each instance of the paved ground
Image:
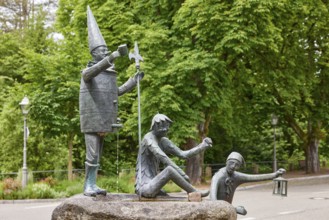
(303, 202)
(33, 210)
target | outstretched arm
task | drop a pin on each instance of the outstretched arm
(171, 148)
(258, 177)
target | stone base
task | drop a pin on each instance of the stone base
(128, 206)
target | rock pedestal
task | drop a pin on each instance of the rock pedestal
(129, 207)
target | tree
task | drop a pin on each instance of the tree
(258, 47)
(294, 75)
(36, 63)
(56, 93)
(216, 68)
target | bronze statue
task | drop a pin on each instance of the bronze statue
(98, 101)
(153, 150)
(226, 180)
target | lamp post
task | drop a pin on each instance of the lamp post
(274, 123)
(25, 110)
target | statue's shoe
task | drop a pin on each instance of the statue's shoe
(89, 191)
(99, 191)
(204, 194)
(241, 210)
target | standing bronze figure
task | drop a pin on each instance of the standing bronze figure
(153, 150)
(98, 101)
(226, 180)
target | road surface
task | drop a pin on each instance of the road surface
(27, 211)
(302, 202)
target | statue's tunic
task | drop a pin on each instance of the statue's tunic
(99, 103)
(148, 161)
(224, 185)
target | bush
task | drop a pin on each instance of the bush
(42, 191)
(11, 189)
(49, 181)
(10, 185)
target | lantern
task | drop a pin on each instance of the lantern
(280, 186)
(25, 103)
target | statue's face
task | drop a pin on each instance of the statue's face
(99, 53)
(232, 165)
(161, 128)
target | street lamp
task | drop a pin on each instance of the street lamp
(25, 110)
(274, 123)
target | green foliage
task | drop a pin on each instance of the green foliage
(34, 191)
(69, 188)
(122, 184)
(47, 188)
(172, 187)
(12, 141)
(42, 190)
(216, 68)
(31, 69)
(296, 157)
(10, 58)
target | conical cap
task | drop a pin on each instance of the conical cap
(95, 38)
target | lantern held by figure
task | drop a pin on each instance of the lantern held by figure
(280, 186)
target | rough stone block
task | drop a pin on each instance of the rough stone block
(194, 197)
(128, 206)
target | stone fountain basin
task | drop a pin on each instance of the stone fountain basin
(130, 206)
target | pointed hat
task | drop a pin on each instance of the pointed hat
(95, 38)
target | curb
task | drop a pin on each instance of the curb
(21, 201)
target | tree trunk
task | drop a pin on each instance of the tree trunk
(311, 140)
(193, 164)
(312, 156)
(69, 164)
(25, 14)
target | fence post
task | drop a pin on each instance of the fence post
(208, 173)
(255, 168)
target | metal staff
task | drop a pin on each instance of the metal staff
(138, 58)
